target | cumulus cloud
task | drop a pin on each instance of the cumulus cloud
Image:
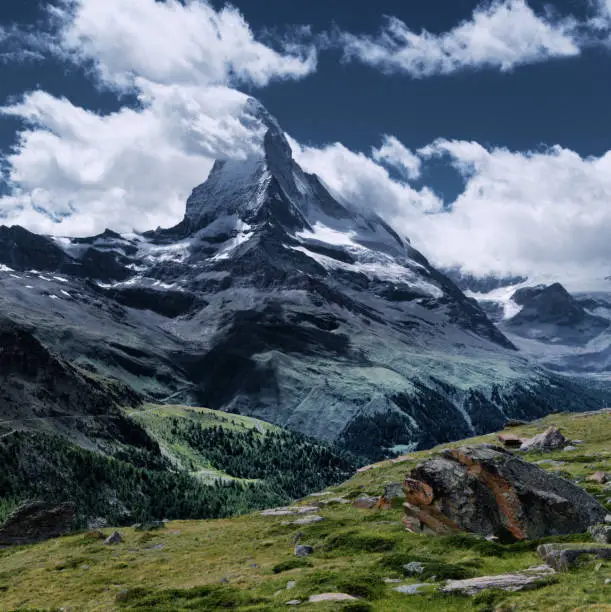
(74, 171)
(174, 43)
(502, 34)
(536, 213)
(393, 153)
(543, 214)
(358, 179)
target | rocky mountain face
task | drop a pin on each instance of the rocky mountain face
(40, 391)
(552, 314)
(277, 299)
(564, 332)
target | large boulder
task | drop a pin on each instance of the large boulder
(489, 491)
(551, 439)
(37, 521)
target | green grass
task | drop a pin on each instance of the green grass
(245, 563)
(156, 420)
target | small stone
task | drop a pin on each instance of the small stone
(577, 442)
(410, 589)
(601, 533)
(392, 580)
(331, 597)
(599, 477)
(608, 581)
(291, 584)
(84, 566)
(506, 582)
(293, 602)
(607, 518)
(224, 580)
(307, 520)
(570, 448)
(303, 550)
(365, 503)
(115, 538)
(413, 568)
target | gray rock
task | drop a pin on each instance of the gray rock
(570, 448)
(413, 568)
(115, 538)
(303, 550)
(506, 582)
(410, 589)
(601, 533)
(293, 602)
(550, 439)
(365, 502)
(37, 521)
(291, 584)
(392, 491)
(331, 597)
(562, 556)
(489, 491)
(608, 516)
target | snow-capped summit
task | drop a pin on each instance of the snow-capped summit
(276, 299)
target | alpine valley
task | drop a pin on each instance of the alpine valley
(317, 331)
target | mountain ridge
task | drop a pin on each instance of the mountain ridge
(274, 299)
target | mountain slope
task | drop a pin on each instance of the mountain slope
(277, 299)
(247, 563)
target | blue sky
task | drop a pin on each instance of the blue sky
(479, 129)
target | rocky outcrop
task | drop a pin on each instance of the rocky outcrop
(564, 556)
(36, 522)
(551, 439)
(489, 491)
(114, 538)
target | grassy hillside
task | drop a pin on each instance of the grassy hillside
(246, 563)
(189, 463)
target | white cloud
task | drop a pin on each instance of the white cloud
(535, 213)
(174, 43)
(544, 214)
(502, 34)
(366, 184)
(76, 172)
(394, 153)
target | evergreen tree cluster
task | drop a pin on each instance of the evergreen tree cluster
(289, 463)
